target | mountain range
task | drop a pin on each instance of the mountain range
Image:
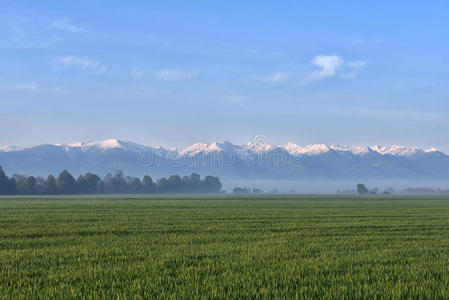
(256, 160)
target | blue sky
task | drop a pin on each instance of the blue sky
(173, 73)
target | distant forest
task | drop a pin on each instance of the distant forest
(117, 183)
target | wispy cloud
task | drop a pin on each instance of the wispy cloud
(80, 63)
(370, 43)
(137, 73)
(353, 68)
(276, 77)
(66, 26)
(18, 32)
(29, 86)
(173, 74)
(357, 40)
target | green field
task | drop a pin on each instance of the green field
(131, 247)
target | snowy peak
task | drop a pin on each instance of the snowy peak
(227, 147)
(397, 150)
(102, 146)
(107, 144)
(215, 147)
(315, 149)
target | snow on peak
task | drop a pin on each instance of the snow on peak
(396, 150)
(227, 147)
(313, 149)
(193, 149)
(430, 150)
(258, 147)
(106, 145)
(356, 150)
(207, 148)
(11, 148)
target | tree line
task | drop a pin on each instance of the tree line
(117, 183)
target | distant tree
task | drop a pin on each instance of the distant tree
(257, 191)
(7, 185)
(388, 191)
(361, 189)
(30, 186)
(174, 184)
(13, 187)
(115, 184)
(101, 189)
(66, 183)
(374, 191)
(134, 185)
(81, 185)
(20, 183)
(92, 183)
(210, 184)
(50, 186)
(241, 190)
(162, 185)
(148, 186)
(194, 182)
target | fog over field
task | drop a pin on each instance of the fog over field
(330, 186)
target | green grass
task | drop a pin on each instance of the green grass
(132, 247)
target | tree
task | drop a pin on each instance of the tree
(50, 186)
(66, 183)
(211, 184)
(162, 185)
(30, 186)
(174, 184)
(148, 185)
(7, 186)
(194, 182)
(20, 183)
(241, 190)
(115, 184)
(81, 185)
(257, 191)
(361, 189)
(92, 183)
(134, 185)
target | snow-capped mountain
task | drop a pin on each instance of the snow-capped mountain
(252, 160)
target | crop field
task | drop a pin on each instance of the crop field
(183, 247)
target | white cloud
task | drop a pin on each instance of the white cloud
(173, 74)
(328, 65)
(81, 63)
(334, 65)
(66, 26)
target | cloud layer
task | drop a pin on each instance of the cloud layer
(66, 26)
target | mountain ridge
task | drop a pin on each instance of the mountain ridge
(256, 159)
(292, 148)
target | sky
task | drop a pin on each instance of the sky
(173, 73)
